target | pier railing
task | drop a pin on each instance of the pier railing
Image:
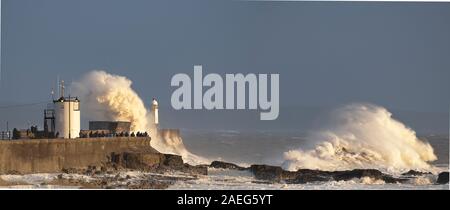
(5, 135)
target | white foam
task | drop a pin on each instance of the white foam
(106, 96)
(362, 136)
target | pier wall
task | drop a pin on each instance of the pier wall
(53, 155)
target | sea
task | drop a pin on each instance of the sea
(255, 147)
(268, 147)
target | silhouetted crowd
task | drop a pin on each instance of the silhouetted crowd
(121, 134)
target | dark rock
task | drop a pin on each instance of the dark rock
(415, 173)
(262, 182)
(277, 174)
(357, 173)
(307, 178)
(393, 180)
(197, 170)
(104, 183)
(360, 173)
(289, 175)
(225, 165)
(169, 162)
(266, 172)
(173, 161)
(91, 170)
(303, 176)
(143, 161)
(442, 178)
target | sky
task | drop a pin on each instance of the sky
(396, 55)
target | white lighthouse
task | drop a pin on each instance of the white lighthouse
(67, 116)
(155, 112)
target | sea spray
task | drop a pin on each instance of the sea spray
(170, 142)
(110, 97)
(362, 136)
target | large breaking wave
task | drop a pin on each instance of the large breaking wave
(362, 136)
(110, 97)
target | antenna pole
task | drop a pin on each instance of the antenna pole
(62, 89)
(7, 130)
(70, 110)
(57, 84)
(53, 94)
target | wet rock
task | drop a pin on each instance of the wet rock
(443, 178)
(225, 165)
(360, 173)
(195, 170)
(415, 173)
(91, 170)
(143, 161)
(303, 176)
(289, 175)
(150, 161)
(393, 180)
(173, 161)
(266, 172)
(357, 173)
(307, 178)
(262, 182)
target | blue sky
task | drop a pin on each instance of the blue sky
(327, 53)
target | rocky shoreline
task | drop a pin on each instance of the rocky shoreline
(140, 170)
(112, 175)
(303, 176)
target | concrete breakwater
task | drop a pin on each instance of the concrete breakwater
(54, 155)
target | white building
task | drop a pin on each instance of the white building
(67, 116)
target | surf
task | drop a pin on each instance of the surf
(362, 136)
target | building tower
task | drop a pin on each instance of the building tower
(67, 116)
(49, 121)
(155, 120)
